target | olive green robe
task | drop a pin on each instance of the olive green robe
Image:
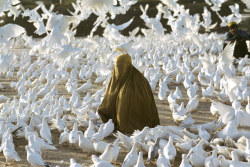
(128, 99)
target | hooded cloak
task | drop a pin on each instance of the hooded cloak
(128, 99)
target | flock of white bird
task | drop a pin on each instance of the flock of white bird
(42, 69)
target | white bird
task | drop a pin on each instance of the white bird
(171, 98)
(73, 163)
(162, 90)
(42, 144)
(177, 93)
(85, 143)
(45, 131)
(192, 104)
(185, 161)
(85, 87)
(188, 122)
(99, 146)
(99, 162)
(125, 140)
(33, 158)
(162, 161)
(115, 150)
(212, 160)
(108, 128)
(90, 131)
(99, 6)
(246, 2)
(73, 138)
(203, 133)
(140, 135)
(99, 135)
(107, 155)
(140, 162)
(131, 157)
(223, 161)
(64, 136)
(230, 130)
(9, 151)
(169, 150)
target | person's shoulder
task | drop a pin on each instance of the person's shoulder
(243, 31)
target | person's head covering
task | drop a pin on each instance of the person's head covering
(128, 99)
(123, 58)
(232, 24)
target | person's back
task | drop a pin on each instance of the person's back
(240, 37)
(128, 100)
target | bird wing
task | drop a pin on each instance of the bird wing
(124, 25)
(246, 2)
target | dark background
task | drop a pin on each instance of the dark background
(84, 28)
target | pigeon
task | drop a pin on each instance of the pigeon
(90, 131)
(162, 161)
(73, 163)
(85, 87)
(192, 104)
(115, 150)
(42, 144)
(98, 136)
(99, 146)
(140, 136)
(107, 155)
(185, 161)
(153, 150)
(131, 157)
(33, 158)
(85, 143)
(64, 136)
(125, 140)
(45, 131)
(99, 162)
(108, 128)
(9, 151)
(140, 162)
(212, 160)
(203, 133)
(73, 138)
(169, 150)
